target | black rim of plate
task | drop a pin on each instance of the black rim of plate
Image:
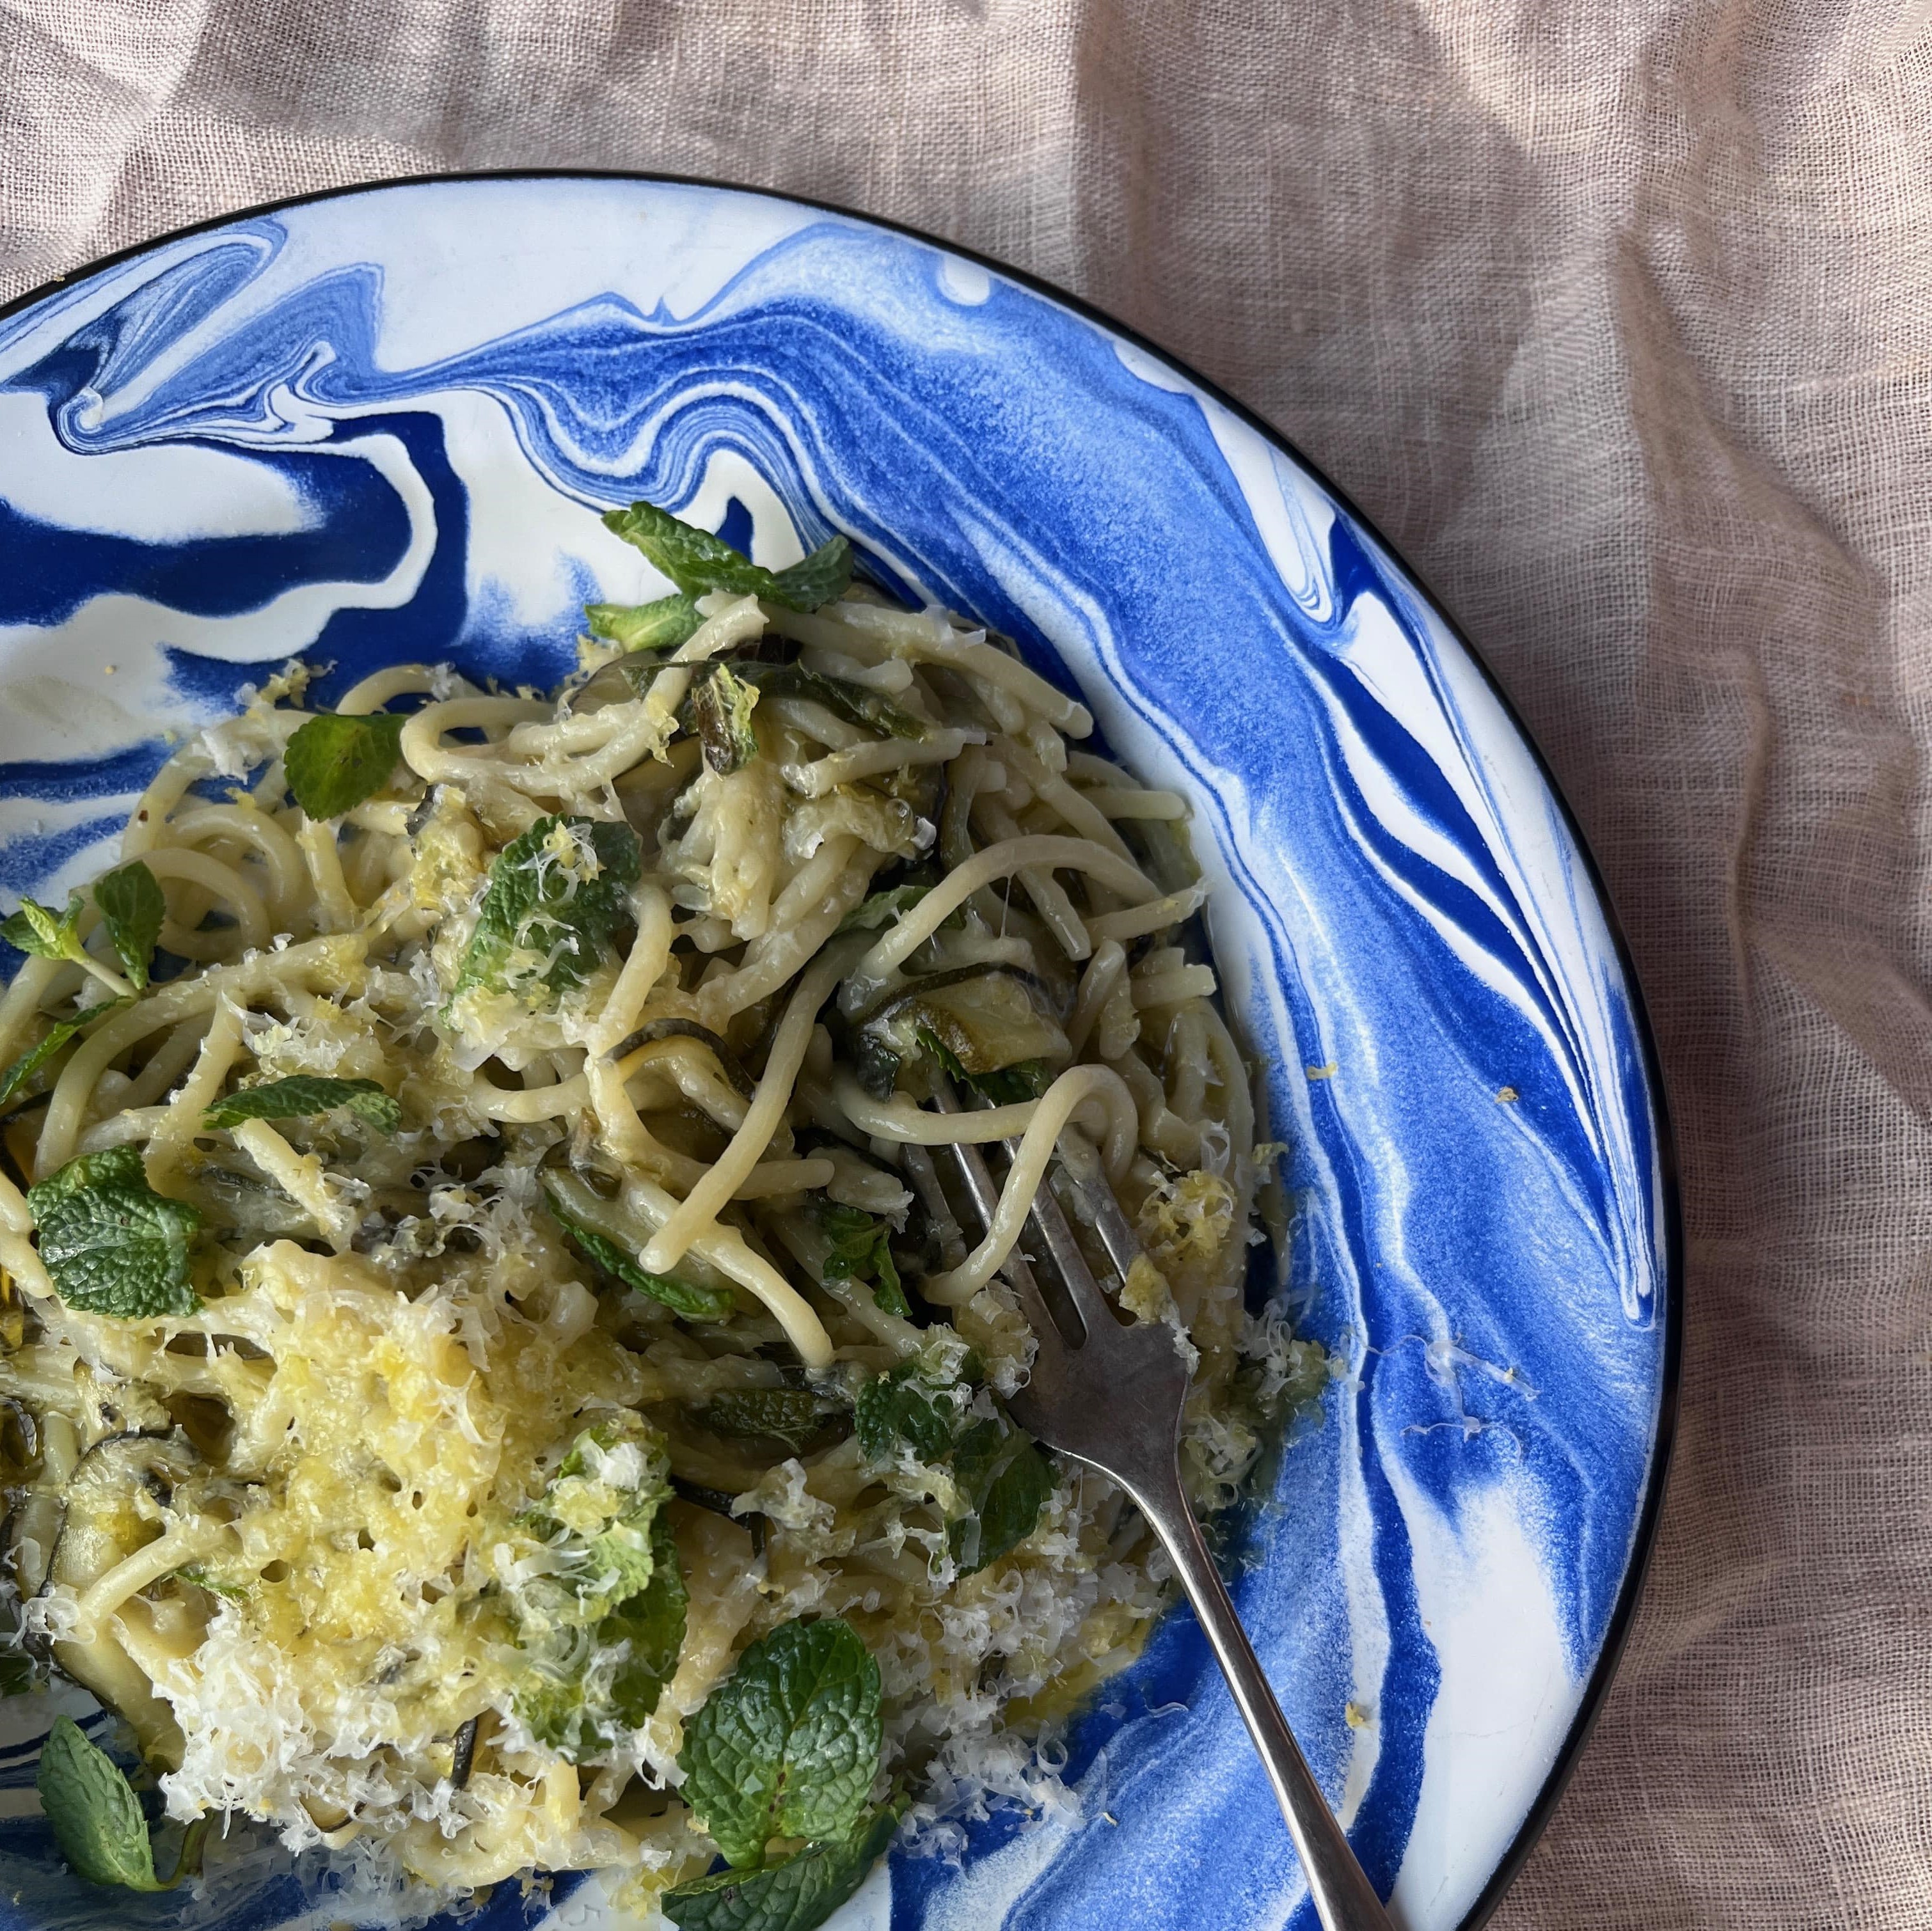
(1616, 1634)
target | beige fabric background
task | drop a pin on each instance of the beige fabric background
(1618, 318)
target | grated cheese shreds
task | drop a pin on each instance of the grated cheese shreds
(422, 1437)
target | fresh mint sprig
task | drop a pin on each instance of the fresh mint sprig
(901, 1405)
(62, 1030)
(603, 1622)
(788, 1745)
(581, 1699)
(304, 1093)
(696, 561)
(97, 1818)
(662, 625)
(571, 1204)
(1002, 1478)
(334, 761)
(801, 1418)
(854, 702)
(1006, 1086)
(797, 1894)
(44, 933)
(862, 1251)
(110, 1243)
(556, 895)
(133, 909)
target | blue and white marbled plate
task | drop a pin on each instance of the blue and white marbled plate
(368, 428)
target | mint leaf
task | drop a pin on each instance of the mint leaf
(1005, 1086)
(1010, 1086)
(652, 1624)
(45, 934)
(798, 1894)
(334, 762)
(110, 1243)
(696, 561)
(303, 1093)
(721, 716)
(896, 1406)
(882, 908)
(1002, 1473)
(662, 625)
(132, 908)
(843, 698)
(800, 1419)
(202, 1577)
(602, 1249)
(58, 1034)
(820, 578)
(861, 1250)
(556, 897)
(943, 1056)
(96, 1816)
(788, 1746)
(585, 1690)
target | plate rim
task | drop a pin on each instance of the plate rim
(1617, 1630)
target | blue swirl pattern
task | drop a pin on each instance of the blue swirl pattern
(366, 429)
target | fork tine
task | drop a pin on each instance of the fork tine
(1083, 1292)
(979, 1181)
(1097, 1316)
(1116, 1233)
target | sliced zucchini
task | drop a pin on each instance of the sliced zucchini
(987, 1016)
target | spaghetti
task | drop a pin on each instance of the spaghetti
(576, 1073)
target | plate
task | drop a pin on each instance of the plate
(366, 426)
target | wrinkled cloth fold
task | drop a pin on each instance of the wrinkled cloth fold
(1617, 319)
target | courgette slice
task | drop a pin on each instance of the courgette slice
(988, 1017)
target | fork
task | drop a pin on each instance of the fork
(1110, 1395)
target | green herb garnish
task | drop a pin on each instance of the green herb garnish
(571, 1203)
(797, 1894)
(44, 933)
(38, 930)
(696, 561)
(788, 1746)
(899, 1406)
(557, 896)
(603, 1619)
(800, 1418)
(1002, 1478)
(839, 695)
(58, 1034)
(1005, 1086)
(133, 909)
(1003, 1474)
(862, 1251)
(302, 1093)
(662, 625)
(333, 761)
(111, 1245)
(97, 1818)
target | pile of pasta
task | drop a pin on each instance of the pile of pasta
(627, 1003)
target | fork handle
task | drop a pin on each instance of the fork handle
(1343, 1897)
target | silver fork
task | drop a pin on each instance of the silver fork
(1110, 1395)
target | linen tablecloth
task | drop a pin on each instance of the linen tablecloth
(1617, 317)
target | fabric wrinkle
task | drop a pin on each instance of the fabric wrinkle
(1617, 319)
